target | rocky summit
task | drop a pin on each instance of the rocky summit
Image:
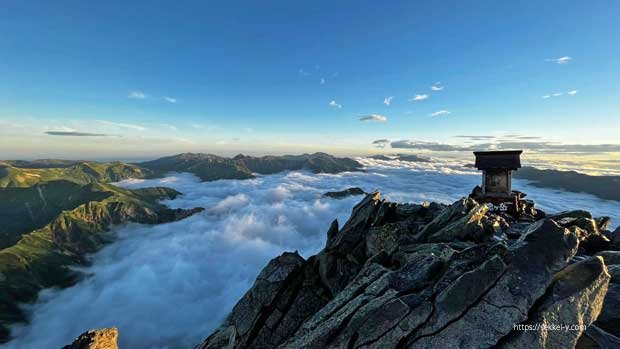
(436, 276)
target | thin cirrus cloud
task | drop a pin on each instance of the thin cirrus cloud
(333, 104)
(122, 125)
(137, 95)
(388, 100)
(141, 95)
(440, 112)
(560, 60)
(417, 98)
(558, 94)
(373, 118)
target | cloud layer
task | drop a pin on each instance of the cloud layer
(75, 134)
(170, 285)
(507, 144)
(373, 117)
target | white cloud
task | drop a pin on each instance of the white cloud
(172, 127)
(437, 87)
(137, 95)
(388, 100)
(323, 81)
(418, 98)
(333, 104)
(304, 73)
(440, 112)
(373, 117)
(558, 94)
(170, 99)
(64, 129)
(122, 125)
(560, 60)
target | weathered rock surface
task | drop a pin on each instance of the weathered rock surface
(106, 338)
(596, 338)
(431, 276)
(609, 320)
(575, 298)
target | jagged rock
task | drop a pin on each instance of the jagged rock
(345, 255)
(461, 221)
(609, 320)
(587, 224)
(529, 272)
(344, 193)
(594, 243)
(258, 305)
(96, 339)
(596, 338)
(610, 257)
(575, 298)
(570, 214)
(428, 276)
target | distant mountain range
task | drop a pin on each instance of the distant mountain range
(605, 187)
(212, 167)
(54, 212)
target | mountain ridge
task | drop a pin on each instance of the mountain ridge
(42, 258)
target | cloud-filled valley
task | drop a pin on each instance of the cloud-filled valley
(170, 285)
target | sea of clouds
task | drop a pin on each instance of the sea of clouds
(170, 285)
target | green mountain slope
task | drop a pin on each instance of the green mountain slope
(12, 176)
(42, 258)
(25, 209)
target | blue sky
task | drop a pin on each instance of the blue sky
(160, 77)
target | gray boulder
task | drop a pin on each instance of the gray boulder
(574, 298)
(609, 320)
(596, 338)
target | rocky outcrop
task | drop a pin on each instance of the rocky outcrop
(344, 193)
(424, 276)
(574, 299)
(96, 339)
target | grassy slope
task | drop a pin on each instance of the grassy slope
(42, 258)
(25, 209)
(81, 173)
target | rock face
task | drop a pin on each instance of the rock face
(96, 339)
(425, 276)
